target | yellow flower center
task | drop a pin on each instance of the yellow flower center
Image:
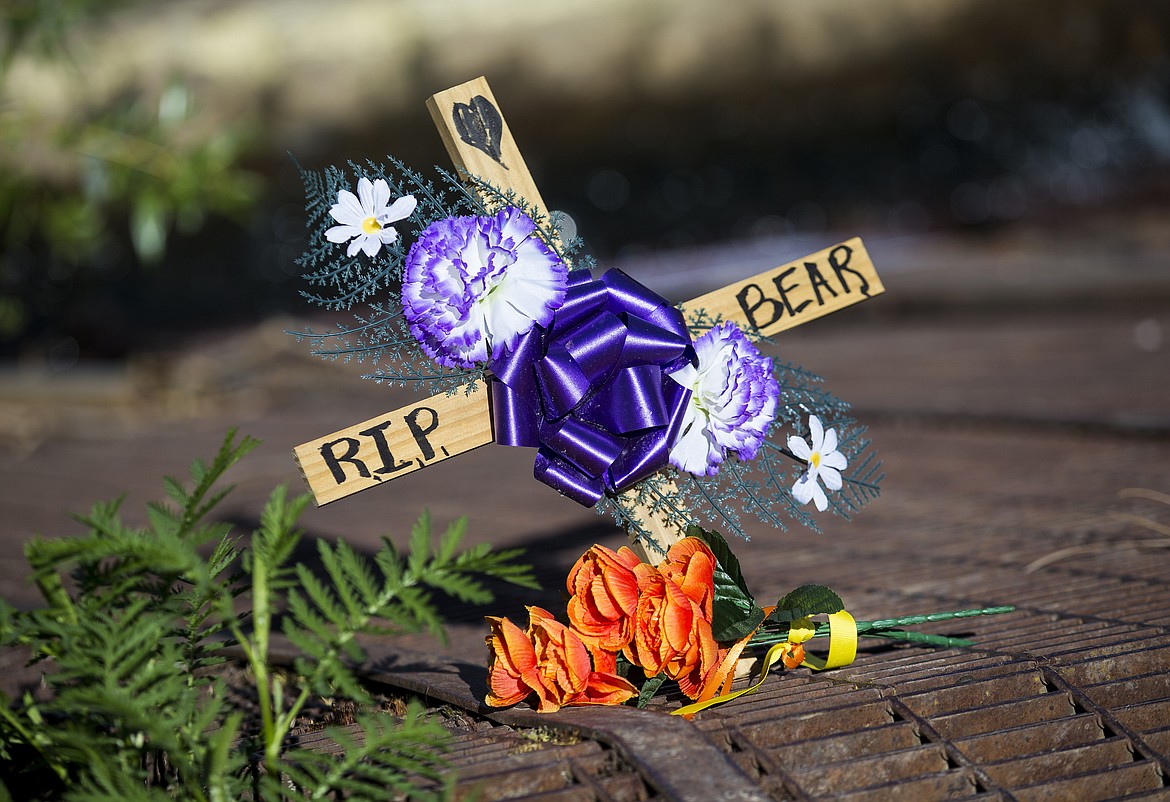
(814, 459)
(371, 225)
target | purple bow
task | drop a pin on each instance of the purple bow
(591, 391)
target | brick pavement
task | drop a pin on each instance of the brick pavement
(1007, 439)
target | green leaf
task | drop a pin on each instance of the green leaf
(728, 563)
(805, 601)
(451, 539)
(734, 619)
(649, 688)
(734, 613)
(420, 544)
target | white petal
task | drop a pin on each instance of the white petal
(804, 489)
(342, 233)
(381, 194)
(817, 433)
(830, 443)
(348, 209)
(834, 460)
(503, 320)
(387, 235)
(355, 245)
(820, 499)
(831, 477)
(685, 376)
(366, 196)
(798, 447)
(371, 245)
(693, 452)
(399, 210)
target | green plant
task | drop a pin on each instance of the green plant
(138, 709)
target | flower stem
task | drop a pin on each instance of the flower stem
(911, 620)
(890, 628)
(921, 637)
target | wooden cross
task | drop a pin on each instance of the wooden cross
(418, 435)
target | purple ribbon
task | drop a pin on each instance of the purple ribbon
(591, 391)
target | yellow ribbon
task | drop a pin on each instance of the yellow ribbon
(801, 630)
(842, 643)
(842, 651)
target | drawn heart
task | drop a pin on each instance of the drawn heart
(480, 125)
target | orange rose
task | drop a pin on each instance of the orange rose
(672, 622)
(603, 588)
(605, 687)
(690, 564)
(672, 634)
(692, 667)
(512, 671)
(550, 661)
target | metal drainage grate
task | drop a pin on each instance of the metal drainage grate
(496, 763)
(1084, 724)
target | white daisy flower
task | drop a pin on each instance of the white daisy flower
(823, 460)
(365, 218)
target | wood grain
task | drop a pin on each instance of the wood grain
(510, 171)
(395, 444)
(797, 292)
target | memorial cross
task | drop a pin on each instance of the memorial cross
(421, 434)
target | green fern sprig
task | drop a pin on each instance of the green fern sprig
(384, 760)
(341, 283)
(388, 595)
(134, 713)
(391, 594)
(760, 488)
(862, 482)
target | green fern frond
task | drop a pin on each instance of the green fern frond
(325, 599)
(381, 758)
(133, 712)
(115, 786)
(197, 503)
(415, 608)
(359, 575)
(278, 535)
(451, 538)
(305, 615)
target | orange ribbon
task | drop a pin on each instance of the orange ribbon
(842, 652)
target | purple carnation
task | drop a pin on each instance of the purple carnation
(474, 285)
(733, 401)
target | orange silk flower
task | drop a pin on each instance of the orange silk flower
(690, 564)
(672, 635)
(603, 589)
(550, 661)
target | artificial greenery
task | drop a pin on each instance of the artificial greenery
(367, 287)
(761, 487)
(132, 642)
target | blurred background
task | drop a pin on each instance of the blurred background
(148, 194)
